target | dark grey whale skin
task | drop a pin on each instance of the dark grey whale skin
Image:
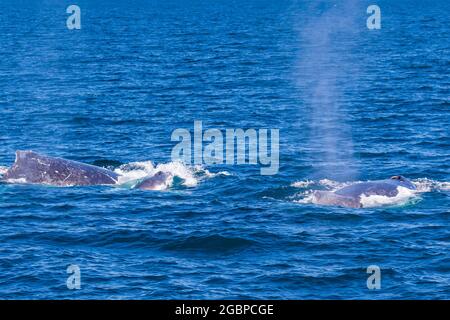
(31, 167)
(350, 196)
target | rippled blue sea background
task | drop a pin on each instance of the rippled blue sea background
(113, 92)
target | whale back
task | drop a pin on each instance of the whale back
(380, 188)
(350, 196)
(34, 168)
(388, 188)
(160, 181)
(332, 199)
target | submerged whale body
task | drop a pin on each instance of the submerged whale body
(31, 167)
(350, 196)
(160, 181)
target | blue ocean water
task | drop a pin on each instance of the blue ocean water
(351, 104)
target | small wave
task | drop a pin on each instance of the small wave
(208, 174)
(106, 163)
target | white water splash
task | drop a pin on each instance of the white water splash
(303, 184)
(403, 197)
(130, 174)
(304, 197)
(3, 170)
(429, 185)
(134, 171)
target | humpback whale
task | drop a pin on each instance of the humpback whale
(160, 181)
(350, 196)
(34, 168)
(31, 167)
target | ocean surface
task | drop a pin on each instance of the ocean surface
(351, 104)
